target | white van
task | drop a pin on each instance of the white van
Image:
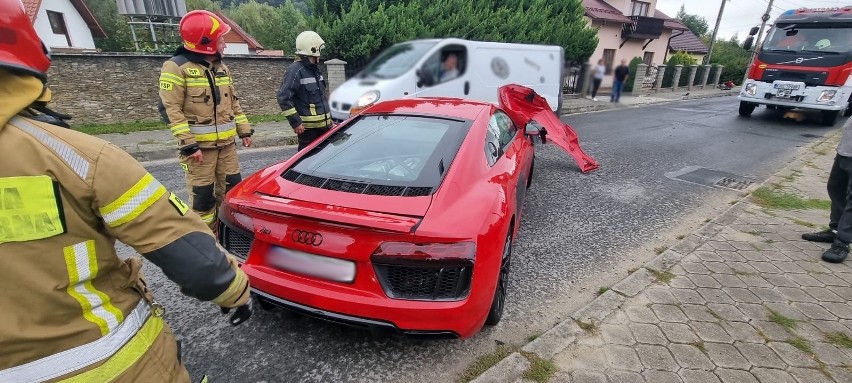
(418, 68)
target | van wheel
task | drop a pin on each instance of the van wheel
(498, 304)
(746, 108)
(829, 117)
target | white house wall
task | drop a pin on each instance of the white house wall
(236, 49)
(609, 37)
(79, 32)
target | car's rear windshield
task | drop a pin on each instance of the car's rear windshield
(384, 150)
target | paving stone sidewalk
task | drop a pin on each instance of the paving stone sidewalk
(159, 144)
(743, 300)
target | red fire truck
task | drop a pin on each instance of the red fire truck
(805, 62)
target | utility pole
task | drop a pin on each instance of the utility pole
(756, 44)
(715, 30)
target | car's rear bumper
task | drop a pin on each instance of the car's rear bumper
(336, 303)
(372, 325)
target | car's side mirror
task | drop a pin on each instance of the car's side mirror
(424, 78)
(748, 43)
(534, 130)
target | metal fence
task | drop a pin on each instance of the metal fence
(650, 77)
(573, 80)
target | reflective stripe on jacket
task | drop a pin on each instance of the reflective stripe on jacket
(199, 96)
(302, 96)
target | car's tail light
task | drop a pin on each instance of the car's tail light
(460, 251)
(235, 218)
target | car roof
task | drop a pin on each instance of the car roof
(442, 106)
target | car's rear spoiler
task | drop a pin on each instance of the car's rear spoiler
(523, 105)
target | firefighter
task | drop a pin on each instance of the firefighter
(302, 93)
(72, 309)
(203, 111)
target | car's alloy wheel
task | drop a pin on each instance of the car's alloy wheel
(499, 301)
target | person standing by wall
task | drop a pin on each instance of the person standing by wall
(620, 76)
(203, 112)
(597, 78)
(302, 93)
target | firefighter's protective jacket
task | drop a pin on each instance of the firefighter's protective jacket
(65, 197)
(199, 102)
(302, 96)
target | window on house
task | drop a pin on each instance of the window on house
(640, 8)
(57, 23)
(609, 59)
(648, 59)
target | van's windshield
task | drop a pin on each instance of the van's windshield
(397, 59)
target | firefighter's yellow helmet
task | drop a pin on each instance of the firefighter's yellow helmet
(309, 43)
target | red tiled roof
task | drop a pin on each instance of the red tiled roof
(687, 42)
(242, 36)
(600, 10)
(32, 7)
(670, 23)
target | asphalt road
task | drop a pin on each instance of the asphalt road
(579, 230)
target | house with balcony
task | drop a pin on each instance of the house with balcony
(628, 29)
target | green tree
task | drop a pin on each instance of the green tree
(695, 23)
(207, 5)
(634, 63)
(118, 36)
(273, 27)
(734, 59)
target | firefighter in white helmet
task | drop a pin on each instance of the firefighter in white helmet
(302, 93)
(73, 311)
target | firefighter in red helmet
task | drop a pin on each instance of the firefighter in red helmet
(200, 104)
(73, 311)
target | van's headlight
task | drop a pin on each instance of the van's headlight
(367, 98)
(826, 95)
(751, 88)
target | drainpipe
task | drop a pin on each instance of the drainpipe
(669, 44)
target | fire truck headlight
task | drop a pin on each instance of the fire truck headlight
(751, 89)
(827, 95)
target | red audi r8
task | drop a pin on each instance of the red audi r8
(400, 218)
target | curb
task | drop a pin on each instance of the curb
(143, 155)
(608, 106)
(568, 332)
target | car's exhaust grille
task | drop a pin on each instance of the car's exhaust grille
(426, 282)
(235, 242)
(355, 186)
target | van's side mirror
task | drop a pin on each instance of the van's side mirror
(424, 78)
(749, 41)
(753, 31)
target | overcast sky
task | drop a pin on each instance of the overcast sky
(740, 15)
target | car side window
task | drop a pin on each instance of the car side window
(499, 134)
(507, 128)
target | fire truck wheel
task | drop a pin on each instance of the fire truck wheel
(848, 112)
(829, 117)
(746, 108)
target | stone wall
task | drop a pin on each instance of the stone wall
(111, 88)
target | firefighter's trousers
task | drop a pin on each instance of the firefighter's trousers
(209, 180)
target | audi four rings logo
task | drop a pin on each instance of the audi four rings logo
(306, 237)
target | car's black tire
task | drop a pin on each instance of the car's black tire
(532, 170)
(830, 117)
(498, 304)
(746, 108)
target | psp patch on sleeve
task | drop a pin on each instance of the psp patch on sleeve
(181, 207)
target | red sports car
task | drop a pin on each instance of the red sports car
(400, 218)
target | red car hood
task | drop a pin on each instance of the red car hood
(404, 206)
(523, 105)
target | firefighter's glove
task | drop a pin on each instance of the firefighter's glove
(241, 314)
